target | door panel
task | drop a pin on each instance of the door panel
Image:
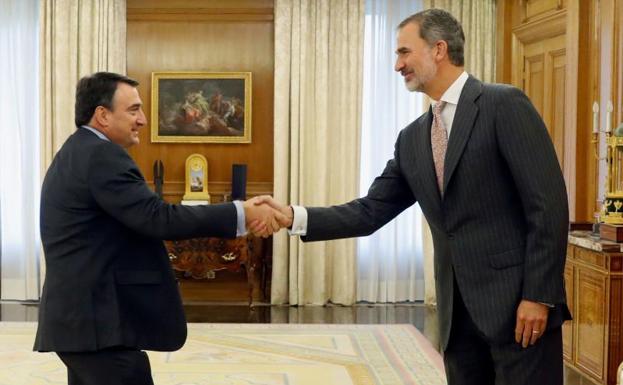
(544, 82)
(567, 327)
(590, 318)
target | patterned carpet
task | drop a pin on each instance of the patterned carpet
(256, 354)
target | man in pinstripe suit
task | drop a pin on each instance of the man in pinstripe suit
(483, 168)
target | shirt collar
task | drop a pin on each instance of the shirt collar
(96, 132)
(453, 93)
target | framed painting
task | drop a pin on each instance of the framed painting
(201, 107)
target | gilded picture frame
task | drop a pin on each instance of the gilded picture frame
(201, 107)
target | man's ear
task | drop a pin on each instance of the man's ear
(102, 116)
(442, 50)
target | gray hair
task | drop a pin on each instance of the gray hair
(437, 24)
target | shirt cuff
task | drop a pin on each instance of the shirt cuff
(299, 222)
(241, 227)
(549, 305)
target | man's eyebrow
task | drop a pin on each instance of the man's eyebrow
(135, 105)
(402, 50)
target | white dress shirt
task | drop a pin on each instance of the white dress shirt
(450, 96)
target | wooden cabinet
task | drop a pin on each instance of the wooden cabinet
(567, 327)
(201, 257)
(593, 341)
(591, 321)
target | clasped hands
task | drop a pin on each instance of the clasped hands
(265, 216)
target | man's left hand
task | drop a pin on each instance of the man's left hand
(531, 322)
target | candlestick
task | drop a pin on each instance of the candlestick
(609, 110)
(595, 117)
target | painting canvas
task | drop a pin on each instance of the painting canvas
(196, 180)
(203, 107)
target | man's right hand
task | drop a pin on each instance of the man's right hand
(262, 219)
(287, 211)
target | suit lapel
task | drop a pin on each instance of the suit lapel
(426, 166)
(462, 125)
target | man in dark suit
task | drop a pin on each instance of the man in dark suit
(109, 290)
(483, 168)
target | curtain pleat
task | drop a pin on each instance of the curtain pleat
(318, 69)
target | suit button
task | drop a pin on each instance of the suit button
(451, 236)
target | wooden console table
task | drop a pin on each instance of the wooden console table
(593, 341)
(200, 257)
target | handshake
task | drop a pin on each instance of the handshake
(265, 216)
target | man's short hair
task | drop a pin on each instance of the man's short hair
(97, 90)
(437, 24)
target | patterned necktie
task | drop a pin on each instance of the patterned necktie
(439, 143)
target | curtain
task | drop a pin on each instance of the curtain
(78, 37)
(390, 261)
(478, 20)
(19, 158)
(318, 70)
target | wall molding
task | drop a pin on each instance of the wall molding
(201, 14)
(553, 24)
(219, 191)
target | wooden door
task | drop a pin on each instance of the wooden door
(544, 53)
(544, 63)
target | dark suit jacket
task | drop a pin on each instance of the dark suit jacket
(501, 225)
(108, 279)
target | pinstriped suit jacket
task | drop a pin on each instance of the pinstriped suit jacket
(501, 225)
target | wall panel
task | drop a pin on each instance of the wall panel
(213, 36)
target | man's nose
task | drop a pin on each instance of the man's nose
(142, 119)
(399, 65)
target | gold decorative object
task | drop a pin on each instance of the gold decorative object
(229, 257)
(196, 180)
(613, 200)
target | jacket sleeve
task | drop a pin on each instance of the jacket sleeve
(387, 197)
(526, 146)
(120, 190)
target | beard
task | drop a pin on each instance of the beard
(422, 77)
